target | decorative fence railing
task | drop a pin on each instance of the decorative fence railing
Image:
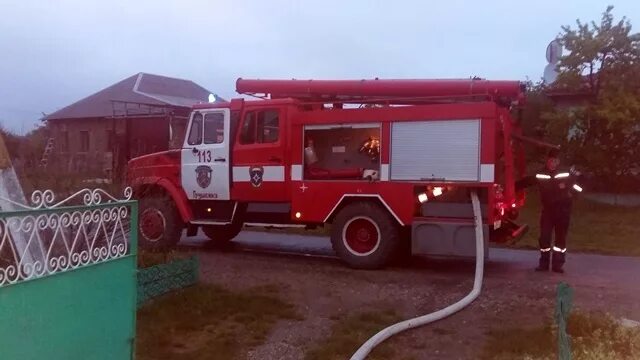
(163, 278)
(68, 276)
(48, 236)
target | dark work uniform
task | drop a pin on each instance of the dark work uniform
(557, 189)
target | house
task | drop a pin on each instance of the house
(141, 114)
(566, 98)
(575, 98)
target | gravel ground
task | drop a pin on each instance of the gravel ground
(323, 289)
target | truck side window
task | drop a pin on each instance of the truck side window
(260, 127)
(247, 135)
(195, 134)
(267, 128)
(213, 128)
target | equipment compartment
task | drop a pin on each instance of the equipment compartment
(447, 150)
(340, 152)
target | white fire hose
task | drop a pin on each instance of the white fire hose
(384, 334)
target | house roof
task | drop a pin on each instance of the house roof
(583, 91)
(142, 88)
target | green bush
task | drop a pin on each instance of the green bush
(594, 336)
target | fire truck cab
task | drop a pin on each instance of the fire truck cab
(387, 164)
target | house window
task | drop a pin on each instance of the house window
(84, 141)
(260, 127)
(110, 140)
(64, 141)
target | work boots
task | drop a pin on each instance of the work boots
(558, 262)
(543, 264)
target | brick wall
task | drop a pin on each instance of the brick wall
(99, 147)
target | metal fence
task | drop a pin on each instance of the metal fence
(163, 278)
(68, 277)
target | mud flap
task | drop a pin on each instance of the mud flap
(510, 232)
(192, 230)
(519, 233)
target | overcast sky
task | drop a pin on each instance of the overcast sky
(53, 53)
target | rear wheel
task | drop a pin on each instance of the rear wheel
(364, 235)
(159, 224)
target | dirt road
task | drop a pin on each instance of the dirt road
(324, 290)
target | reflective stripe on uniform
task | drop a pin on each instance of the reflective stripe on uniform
(543, 176)
(577, 188)
(561, 175)
(545, 249)
(555, 248)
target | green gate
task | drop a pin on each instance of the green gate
(68, 277)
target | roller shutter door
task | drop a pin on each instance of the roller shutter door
(439, 150)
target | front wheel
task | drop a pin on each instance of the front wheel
(364, 235)
(222, 233)
(159, 224)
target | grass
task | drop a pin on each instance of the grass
(208, 322)
(595, 228)
(350, 332)
(594, 336)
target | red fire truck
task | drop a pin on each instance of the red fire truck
(384, 162)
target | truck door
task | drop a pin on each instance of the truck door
(205, 156)
(259, 156)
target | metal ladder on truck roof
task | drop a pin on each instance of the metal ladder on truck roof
(47, 152)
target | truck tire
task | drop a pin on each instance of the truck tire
(364, 235)
(222, 233)
(159, 224)
(403, 255)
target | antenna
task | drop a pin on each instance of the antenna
(553, 54)
(550, 74)
(554, 51)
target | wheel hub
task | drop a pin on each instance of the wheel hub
(361, 236)
(152, 224)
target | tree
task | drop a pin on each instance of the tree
(533, 121)
(602, 133)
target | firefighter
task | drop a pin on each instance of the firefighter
(557, 189)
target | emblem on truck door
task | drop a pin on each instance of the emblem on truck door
(203, 176)
(255, 175)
